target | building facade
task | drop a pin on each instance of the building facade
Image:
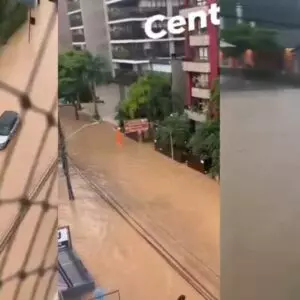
(88, 26)
(201, 62)
(64, 33)
(132, 50)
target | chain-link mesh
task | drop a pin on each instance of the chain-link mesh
(31, 229)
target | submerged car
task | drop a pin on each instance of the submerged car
(9, 122)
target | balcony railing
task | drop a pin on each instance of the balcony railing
(200, 3)
(123, 34)
(133, 12)
(139, 54)
(125, 76)
(73, 5)
(74, 21)
(78, 38)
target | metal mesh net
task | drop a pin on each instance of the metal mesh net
(28, 238)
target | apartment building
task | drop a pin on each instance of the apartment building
(132, 50)
(200, 63)
(64, 33)
(88, 26)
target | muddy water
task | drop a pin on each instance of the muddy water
(179, 205)
(113, 252)
(260, 165)
(18, 161)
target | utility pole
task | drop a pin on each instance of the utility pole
(64, 160)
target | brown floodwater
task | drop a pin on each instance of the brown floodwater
(260, 183)
(179, 206)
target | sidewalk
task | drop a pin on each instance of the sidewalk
(181, 204)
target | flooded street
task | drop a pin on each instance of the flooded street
(260, 166)
(113, 252)
(29, 67)
(178, 205)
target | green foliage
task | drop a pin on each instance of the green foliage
(215, 98)
(150, 97)
(176, 126)
(205, 143)
(11, 19)
(79, 71)
(244, 37)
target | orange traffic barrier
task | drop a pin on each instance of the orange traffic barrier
(119, 137)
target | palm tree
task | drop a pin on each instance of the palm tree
(95, 73)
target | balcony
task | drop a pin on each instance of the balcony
(199, 40)
(200, 93)
(123, 33)
(133, 12)
(78, 38)
(196, 66)
(75, 20)
(192, 8)
(198, 110)
(199, 3)
(73, 5)
(130, 52)
(125, 76)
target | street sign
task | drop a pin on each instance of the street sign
(64, 237)
(137, 125)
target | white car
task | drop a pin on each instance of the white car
(9, 122)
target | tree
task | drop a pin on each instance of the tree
(173, 131)
(214, 101)
(150, 97)
(95, 73)
(205, 143)
(244, 36)
(80, 69)
(70, 79)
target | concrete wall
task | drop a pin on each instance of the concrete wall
(260, 193)
(178, 82)
(64, 34)
(95, 27)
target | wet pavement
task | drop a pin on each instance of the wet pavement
(17, 162)
(178, 205)
(113, 252)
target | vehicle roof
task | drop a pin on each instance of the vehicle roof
(8, 116)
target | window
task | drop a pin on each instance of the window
(203, 53)
(200, 80)
(201, 2)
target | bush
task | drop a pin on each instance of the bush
(10, 24)
(176, 126)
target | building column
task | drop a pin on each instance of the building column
(169, 6)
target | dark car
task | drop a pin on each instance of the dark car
(9, 122)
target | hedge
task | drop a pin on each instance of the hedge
(17, 17)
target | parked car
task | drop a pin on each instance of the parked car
(9, 122)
